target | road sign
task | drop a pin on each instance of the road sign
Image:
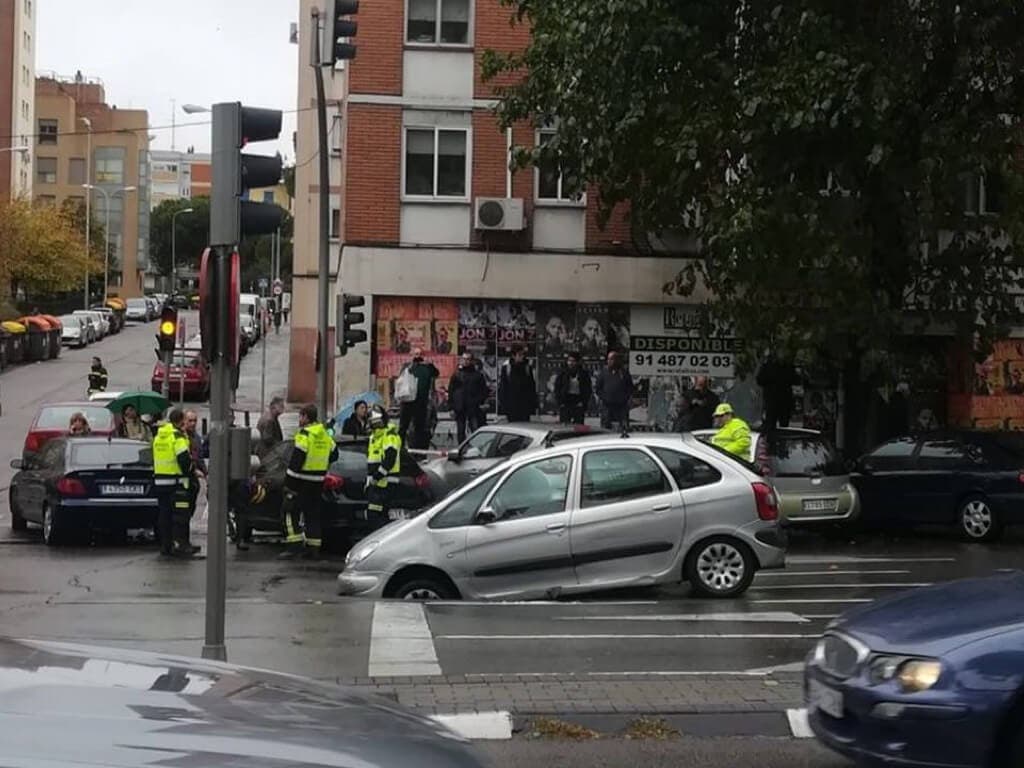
(263, 282)
(278, 289)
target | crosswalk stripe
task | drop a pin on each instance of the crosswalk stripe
(775, 617)
(889, 585)
(401, 644)
(682, 636)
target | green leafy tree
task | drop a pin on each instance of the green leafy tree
(192, 235)
(827, 157)
(255, 254)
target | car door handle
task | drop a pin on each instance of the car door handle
(555, 527)
(661, 508)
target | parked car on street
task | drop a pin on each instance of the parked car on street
(931, 677)
(152, 307)
(811, 479)
(189, 373)
(247, 326)
(78, 483)
(113, 318)
(75, 331)
(137, 310)
(973, 480)
(52, 420)
(99, 321)
(491, 445)
(593, 513)
(343, 504)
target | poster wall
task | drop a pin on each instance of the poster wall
(990, 394)
(403, 325)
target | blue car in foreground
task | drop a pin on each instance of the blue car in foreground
(933, 677)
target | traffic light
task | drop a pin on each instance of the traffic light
(348, 336)
(231, 217)
(167, 338)
(337, 31)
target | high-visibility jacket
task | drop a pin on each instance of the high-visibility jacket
(384, 456)
(734, 437)
(315, 446)
(170, 451)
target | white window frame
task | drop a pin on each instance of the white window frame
(336, 134)
(553, 202)
(435, 198)
(470, 30)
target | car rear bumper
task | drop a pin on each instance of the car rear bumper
(117, 513)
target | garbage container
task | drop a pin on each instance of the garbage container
(38, 347)
(119, 308)
(4, 347)
(15, 341)
(56, 334)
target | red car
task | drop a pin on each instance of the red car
(188, 371)
(53, 419)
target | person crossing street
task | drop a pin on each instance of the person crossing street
(383, 463)
(97, 376)
(313, 453)
(173, 472)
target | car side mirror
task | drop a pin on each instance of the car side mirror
(486, 515)
(17, 464)
(455, 457)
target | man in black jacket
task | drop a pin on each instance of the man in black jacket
(614, 390)
(467, 393)
(702, 405)
(573, 391)
(517, 388)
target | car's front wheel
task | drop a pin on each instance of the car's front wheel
(978, 521)
(720, 567)
(424, 588)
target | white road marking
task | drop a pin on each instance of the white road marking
(634, 673)
(687, 636)
(480, 726)
(798, 723)
(507, 603)
(827, 573)
(818, 559)
(778, 617)
(401, 644)
(892, 585)
(821, 615)
(794, 666)
(816, 600)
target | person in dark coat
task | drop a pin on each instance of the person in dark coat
(467, 393)
(702, 405)
(517, 387)
(415, 412)
(614, 390)
(573, 390)
(357, 424)
(777, 379)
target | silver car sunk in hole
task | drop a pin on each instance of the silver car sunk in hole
(588, 514)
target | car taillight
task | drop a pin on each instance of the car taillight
(32, 441)
(581, 429)
(1020, 477)
(71, 486)
(422, 481)
(333, 482)
(767, 503)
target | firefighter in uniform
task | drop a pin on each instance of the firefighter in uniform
(383, 462)
(173, 471)
(313, 453)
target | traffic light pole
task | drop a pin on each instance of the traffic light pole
(166, 356)
(323, 285)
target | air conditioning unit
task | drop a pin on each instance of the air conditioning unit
(504, 213)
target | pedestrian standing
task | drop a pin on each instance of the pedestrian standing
(195, 444)
(517, 387)
(173, 470)
(312, 454)
(269, 427)
(78, 426)
(132, 426)
(383, 463)
(614, 390)
(573, 390)
(733, 433)
(415, 411)
(357, 424)
(467, 393)
(703, 403)
(777, 379)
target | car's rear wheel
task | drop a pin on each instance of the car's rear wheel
(52, 532)
(424, 588)
(977, 519)
(18, 523)
(720, 566)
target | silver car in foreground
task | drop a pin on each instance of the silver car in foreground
(592, 513)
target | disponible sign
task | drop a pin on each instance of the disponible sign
(668, 341)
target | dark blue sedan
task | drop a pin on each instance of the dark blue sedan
(933, 677)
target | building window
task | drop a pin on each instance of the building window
(26, 41)
(47, 131)
(28, 8)
(335, 223)
(435, 162)
(76, 170)
(46, 170)
(434, 22)
(551, 186)
(109, 167)
(984, 193)
(26, 110)
(26, 76)
(336, 135)
(46, 199)
(268, 196)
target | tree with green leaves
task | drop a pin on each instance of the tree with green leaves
(851, 171)
(191, 238)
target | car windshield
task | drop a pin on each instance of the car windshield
(71, 320)
(139, 303)
(112, 455)
(59, 416)
(802, 456)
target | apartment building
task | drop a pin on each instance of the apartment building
(453, 250)
(171, 174)
(17, 95)
(79, 140)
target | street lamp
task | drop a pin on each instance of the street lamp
(106, 257)
(22, 149)
(194, 109)
(88, 207)
(174, 248)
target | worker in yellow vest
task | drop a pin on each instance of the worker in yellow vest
(172, 472)
(733, 433)
(312, 454)
(383, 462)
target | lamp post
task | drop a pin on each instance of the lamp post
(174, 248)
(106, 257)
(88, 207)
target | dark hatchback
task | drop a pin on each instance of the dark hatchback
(343, 503)
(71, 706)
(928, 678)
(973, 480)
(77, 483)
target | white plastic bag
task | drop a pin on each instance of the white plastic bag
(405, 387)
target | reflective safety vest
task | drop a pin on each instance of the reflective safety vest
(317, 445)
(168, 445)
(734, 437)
(380, 441)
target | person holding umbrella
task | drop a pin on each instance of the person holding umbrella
(132, 426)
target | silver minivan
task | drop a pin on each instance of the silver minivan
(586, 514)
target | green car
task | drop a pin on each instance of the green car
(813, 484)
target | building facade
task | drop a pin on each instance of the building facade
(171, 175)
(80, 140)
(17, 95)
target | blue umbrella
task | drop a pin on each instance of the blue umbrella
(370, 398)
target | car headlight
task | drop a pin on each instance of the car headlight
(883, 668)
(918, 674)
(360, 553)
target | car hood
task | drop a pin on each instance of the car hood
(124, 708)
(938, 619)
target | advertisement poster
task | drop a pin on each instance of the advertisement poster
(547, 372)
(592, 331)
(556, 329)
(403, 325)
(669, 341)
(994, 399)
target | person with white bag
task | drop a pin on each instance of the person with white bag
(415, 400)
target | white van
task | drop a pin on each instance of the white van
(250, 303)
